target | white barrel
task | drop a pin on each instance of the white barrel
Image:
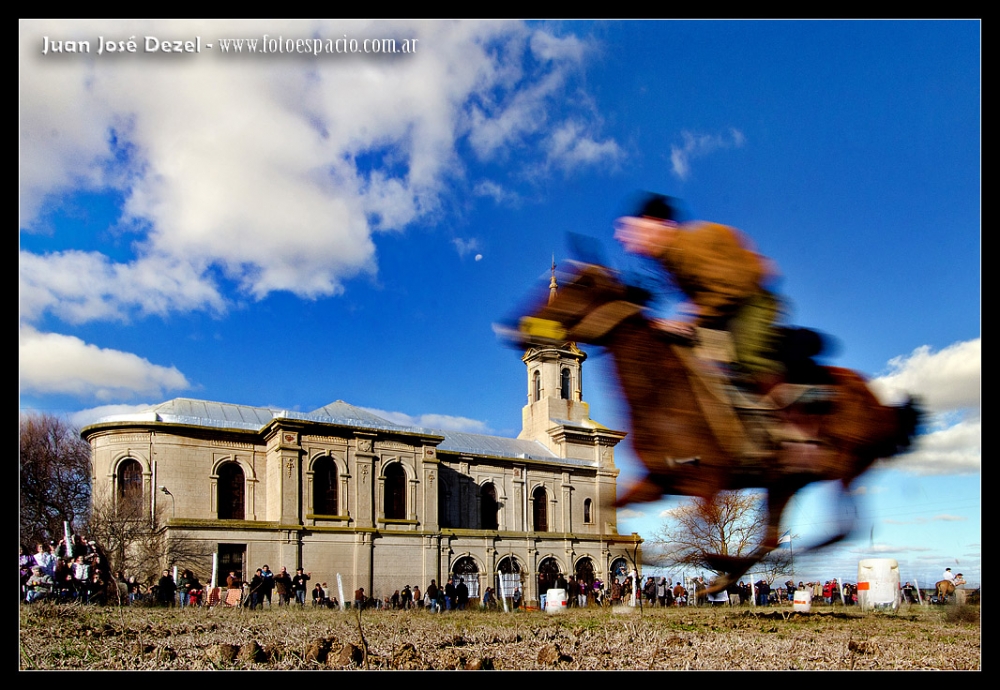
(802, 601)
(878, 584)
(555, 601)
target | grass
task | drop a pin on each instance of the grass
(70, 636)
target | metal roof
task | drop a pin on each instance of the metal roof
(205, 413)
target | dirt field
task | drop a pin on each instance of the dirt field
(828, 638)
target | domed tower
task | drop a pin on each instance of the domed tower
(556, 414)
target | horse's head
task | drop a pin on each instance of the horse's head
(584, 309)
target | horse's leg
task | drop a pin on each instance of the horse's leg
(846, 521)
(736, 567)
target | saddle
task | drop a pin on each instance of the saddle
(781, 425)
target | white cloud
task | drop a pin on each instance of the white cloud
(630, 514)
(957, 449)
(498, 193)
(465, 247)
(53, 363)
(83, 418)
(699, 145)
(924, 521)
(570, 146)
(433, 421)
(950, 379)
(948, 384)
(271, 174)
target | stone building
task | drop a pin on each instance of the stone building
(340, 490)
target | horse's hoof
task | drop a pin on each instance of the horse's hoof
(644, 491)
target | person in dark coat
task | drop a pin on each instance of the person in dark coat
(166, 588)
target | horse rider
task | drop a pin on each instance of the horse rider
(730, 287)
(725, 280)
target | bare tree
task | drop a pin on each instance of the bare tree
(139, 545)
(731, 524)
(54, 478)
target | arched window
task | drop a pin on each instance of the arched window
(540, 510)
(231, 490)
(564, 384)
(130, 484)
(588, 511)
(466, 569)
(536, 385)
(488, 507)
(548, 573)
(508, 576)
(585, 571)
(325, 487)
(395, 492)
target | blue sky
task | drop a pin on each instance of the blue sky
(290, 230)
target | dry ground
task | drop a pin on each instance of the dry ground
(85, 637)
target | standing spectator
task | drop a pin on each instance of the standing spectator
(450, 593)
(417, 600)
(184, 587)
(81, 577)
(195, 589)
(462, 594)
(256, 589)
(960, 592)
(649, 591)
(267, 586)
(763, 592)
(432, 596)
(46, 559)
(166, 588)
(283, 586)
(517, 597)
(299, 585)
(359, 598)
(26, 562)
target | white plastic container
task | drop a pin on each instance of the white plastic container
(878, 584)
(802, 601)
(555, 601)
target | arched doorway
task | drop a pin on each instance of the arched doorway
(467, 569)
(548, 572)
(509, 577)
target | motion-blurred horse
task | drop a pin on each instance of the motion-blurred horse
(685, 427)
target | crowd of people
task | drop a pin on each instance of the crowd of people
(76, 570)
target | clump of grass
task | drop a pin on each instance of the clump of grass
(962, 614)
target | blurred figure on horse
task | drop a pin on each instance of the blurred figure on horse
(734, 317)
